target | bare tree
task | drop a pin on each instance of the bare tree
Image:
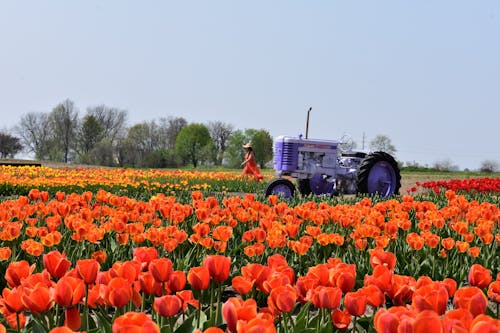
(9, 145)
(64, 122)
(382, 143)
(488, 166)
(112, 120)
(175, 125)
(445, 165)
(34, 131)
(220, 133)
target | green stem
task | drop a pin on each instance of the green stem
(219, 296)
(86, 309)
(212, 292)
(18, 323)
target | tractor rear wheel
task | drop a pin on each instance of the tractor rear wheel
(378, 173)
(280, 187)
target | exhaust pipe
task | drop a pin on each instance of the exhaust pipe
(307, 122)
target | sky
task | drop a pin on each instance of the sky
(426, 73)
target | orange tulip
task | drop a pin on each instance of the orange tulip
(87, 270)
(119, 292)
(257, 324)
(148, 284)
(241, 285)
(427, 321)
(5, 253)
(380, 257)
(472, 299)
(374, 296)
(187, 299)
(37, 299)
(61, 329)
(433, 296)
(134, 322)
(457, 320)
(341, 319)
(355, 303)
(2, 329)
(199, 277)
(479, 276)
(326, 297)
(494, 291)
(168, 305)
(100, 256)
(282, 299)
(16, 271)
(176, 281)
(484, 324)
(161, 269)
(69, 291)
(12, 299)
(144, 255)
(235, 309)
(218, 266)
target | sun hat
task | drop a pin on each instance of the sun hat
(248, 145)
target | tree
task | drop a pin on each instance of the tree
(63, 123)
(175, 125)
(112, 120)
(89, 134)
(234, 153)
(262, 147)
(382, 143)
(9, 145)
(191, 142)
(34, 131)
(445, 165)
(488, 166)
(220, 133)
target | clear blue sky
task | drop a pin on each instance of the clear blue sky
(424, 73)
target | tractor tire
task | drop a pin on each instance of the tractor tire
(378, 173)
(280, 187)
(304, 186)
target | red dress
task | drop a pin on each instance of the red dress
(251, 167)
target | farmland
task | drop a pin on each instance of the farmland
(98, 250)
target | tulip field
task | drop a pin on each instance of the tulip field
(125, 250)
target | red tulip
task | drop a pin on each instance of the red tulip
(235, 309)
(484, 324)
(427, 321)
(374, 296)
(119, 292)
(12, 299)
(355, 303)
(16, 271)
(494, 291)
(56, 263)
(149, 285)
(479, 276)
(341, 319)
(282, 299)
(241, 285)
(457, 320)
(87, 269)
(161, 269)
(37, 299)
(432, 296)
(134, 322)
(256, 324)
(381, 257)
(176, 281)
(61, 329)
(326, 297)
(472, 299)
(187, 298)
(69, 291)
(168, 305)
(218, 266)
(144, 255)
(199, 277)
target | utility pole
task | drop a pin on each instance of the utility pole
(363, 141)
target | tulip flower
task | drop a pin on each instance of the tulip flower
(168, 305)
(199, 277)
(282, 299)
(135, 322)
(16, 271)
(479, 276)
(355, 303)
(56, 263)
(472, 299)
(218, 266)
(69, 291)
(161, 269)
(87, 270)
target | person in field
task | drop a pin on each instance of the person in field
(250, 166)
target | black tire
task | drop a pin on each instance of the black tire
(304, 186)
(378, 173)
(280, 186)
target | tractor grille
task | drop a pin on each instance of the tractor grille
(285, 155)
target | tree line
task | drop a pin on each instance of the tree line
(102, 137)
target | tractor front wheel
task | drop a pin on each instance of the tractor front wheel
(304, 186)
(280, 187)
(378, 173)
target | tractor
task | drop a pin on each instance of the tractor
(320, 167)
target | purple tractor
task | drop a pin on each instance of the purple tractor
(319, 167)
